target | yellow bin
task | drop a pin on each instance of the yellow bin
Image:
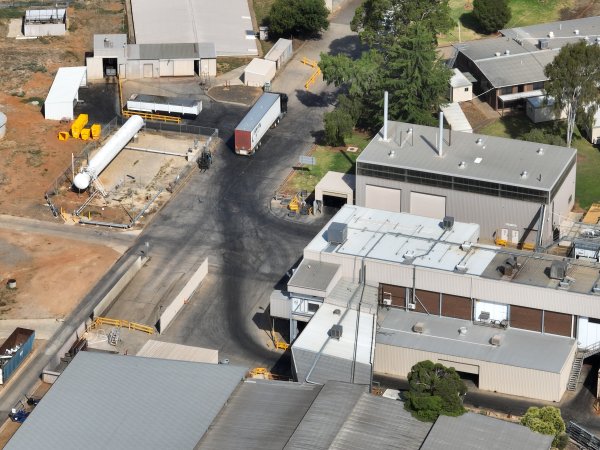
(96, 130)
(63, 135)
(85, 134)
(78, 125)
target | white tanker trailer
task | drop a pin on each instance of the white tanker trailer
(108, 152)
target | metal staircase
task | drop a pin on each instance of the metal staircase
(582, 353)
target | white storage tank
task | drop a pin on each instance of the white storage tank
(2, 125)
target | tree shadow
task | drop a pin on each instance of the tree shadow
(468, 20)
(348, 45)
(310, 99)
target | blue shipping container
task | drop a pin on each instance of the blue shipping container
(19, 344)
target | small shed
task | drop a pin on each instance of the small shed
(541, 109)
(461, 89)
(336, 184)
(64, 93)
(280, 53)
(259, 72)
(45, 22)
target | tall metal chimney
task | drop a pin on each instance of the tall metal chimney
(385, 116)
(441, 135)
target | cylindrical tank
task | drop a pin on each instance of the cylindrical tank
(2, 125)
(108, 152)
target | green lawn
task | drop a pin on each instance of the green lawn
(524, 12)
(261, 10)
(587, 188)
(336, 159)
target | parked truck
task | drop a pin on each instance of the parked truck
(156, 104)
(266, 113)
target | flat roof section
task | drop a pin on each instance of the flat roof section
(348, 294)
(314, 275)
(519, 348)
(226, 23)
(459, 80)
(456, 118)
(485, 158)
(66, 84)
(178, 352)
(108, 401)
(475, 432)
(179, 101)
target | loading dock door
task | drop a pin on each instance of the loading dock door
(378, 197)
(184, 68)
(427, 205)
(147, 70)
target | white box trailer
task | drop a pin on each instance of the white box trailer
(265, 113)
(168, 105)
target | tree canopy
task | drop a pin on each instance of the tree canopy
(574, 77)
(298, 17)
(434, 390)
(492, 15)
(546, 420)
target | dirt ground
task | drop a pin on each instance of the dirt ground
(31, 153)
(52, 274)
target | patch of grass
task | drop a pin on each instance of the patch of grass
(524, 12)
(35, 157)
(40, 100)
(34, 67)
(11, 13)
(587, 188)
(261, 10)
(228, 63)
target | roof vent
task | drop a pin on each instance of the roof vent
(507, 52)
(409, 255)
(461, 267)
(336, 332)
(551, 34)
(558, 270)
(540, 151)
(466, 246)
(544, 44)
(462, 165)
(576, 32)
(463, 330)
(392, 153)
(496, 340)
(337, 312)
(337, 233)
(419, 327)
(448, 222)
(564, 284)
(512, 262)
(524, 174)
(596, 289)
(479, 141)
(497, 54)
(478, 160)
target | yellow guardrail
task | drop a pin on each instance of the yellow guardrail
(312, 78)
(150, 116)
(309, 62)
(123, 324)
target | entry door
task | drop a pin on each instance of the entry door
(378, 197)
(427, 205)
(147, 70)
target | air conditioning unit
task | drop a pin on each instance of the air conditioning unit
(596, 289)
(448, 223)
(387, 302)
(496, 340)
(461, 267)
(544, 44)
(411, 306)
(337, 233)
(336, 332)
(419, 327)
(558, 270)
(466, 246)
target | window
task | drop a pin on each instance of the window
(506, 90)
(538, 85)
(313, 307)
(466, 89)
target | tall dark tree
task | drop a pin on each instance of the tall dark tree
(382, 22)
(434, 390)
(574, 77)
(302, 18)
(492, 15)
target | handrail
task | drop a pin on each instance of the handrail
(123, 324)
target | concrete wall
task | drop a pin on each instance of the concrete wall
(110, 297)
(169, 313)
(45, 29)
(548, 386)
(491, 213)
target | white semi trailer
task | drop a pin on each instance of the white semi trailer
(164, 105)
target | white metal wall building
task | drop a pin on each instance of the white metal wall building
(501, 311)
(259, 72)
(524, 188)
(64, 93)
(281, 52)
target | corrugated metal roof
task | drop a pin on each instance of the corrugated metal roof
(257, 112)
(337, 182)
(260, 415)
(314, 274)
(326, 416)
(169, 350)
(459, 80)
(124, 402)
(162, 51)
(349, 294)
(381, 423)
(456, 118)
(475, 432)
(66, 84)
(516, 69)
(503, 160)
(519, 348)
(226, 23)
(312, 367)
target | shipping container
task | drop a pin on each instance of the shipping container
(14, 350)
(266, 112)
(168, 105)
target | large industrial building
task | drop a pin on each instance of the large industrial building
(226, 23)
(514, 319)
(113, 56)
(517, 191)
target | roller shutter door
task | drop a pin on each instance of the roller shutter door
(557, 323)
(427, 205)
(525, 318)
(396, 293)
(166, 68)
(457, 307)
(427, 302)
(184, 68)
(378, 197)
